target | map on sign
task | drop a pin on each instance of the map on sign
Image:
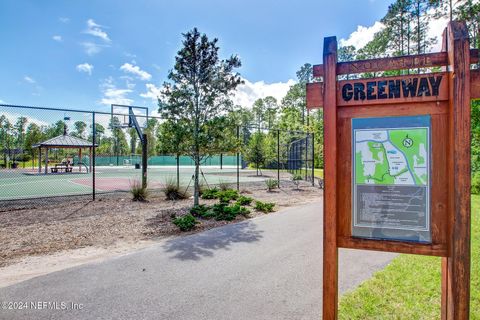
(391, 156)
(391, 178)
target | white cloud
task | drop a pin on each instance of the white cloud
(29, 79)
(114, 95)
(85, 67)
(247, 93)
(13, 117)
(141, 74)
(95, 30)
(92, 48)
(64, 19)
(435, 30)
(153, 92)
(57, 38)
(362, 35)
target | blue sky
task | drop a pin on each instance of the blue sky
(86, 54)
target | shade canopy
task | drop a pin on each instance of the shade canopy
(65, 141)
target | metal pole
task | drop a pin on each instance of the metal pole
(278, 158)
(313, 159)
(178, 171)
(238, 158)
(306, 157)
(221, 161)
(94, 154)
(144, 160)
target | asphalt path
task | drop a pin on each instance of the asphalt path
(264, 268)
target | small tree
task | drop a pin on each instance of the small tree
(255, 150)
(198, 93)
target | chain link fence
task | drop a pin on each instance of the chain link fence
(48, 153)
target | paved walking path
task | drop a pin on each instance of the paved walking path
(265, 268)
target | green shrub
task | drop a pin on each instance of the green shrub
(265, 207)
(271, 184)
(475, 188)
(244, 201)
(185, 223)
(202, 210)
(223, 211)
(172, 191)
(227, 195)
(138, 192)
(211, 193)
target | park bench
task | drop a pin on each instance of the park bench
(60, 167)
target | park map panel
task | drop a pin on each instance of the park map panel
(391, 178)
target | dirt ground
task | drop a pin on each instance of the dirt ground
(112, 222)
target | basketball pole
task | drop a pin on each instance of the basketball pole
(144, 160)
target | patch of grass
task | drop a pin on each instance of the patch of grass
(244, 201)
(172, 191)
(185, 223)
(409, 287)
(318, 173)
(271, 184)
(265, 207)
(138, 192)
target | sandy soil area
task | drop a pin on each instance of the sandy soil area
(53, 235)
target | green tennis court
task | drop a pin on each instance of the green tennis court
(25, 183)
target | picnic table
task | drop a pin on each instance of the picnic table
(61, 167)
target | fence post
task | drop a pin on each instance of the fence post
(94, 154)
(313, 159)
(278, 157)
(221, 161)
(306, 156)
(238, 158)
(144, 160)
(178, 171)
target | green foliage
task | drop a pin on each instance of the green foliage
(198, 94)
(227, 195)
(255, 150)
(185, 223)
(172, 191)
(265, 207)
(211, 193)
(476, 183)
(244, 200)
(271, 184)
(223, 211)
(202, 210)
(138, 192)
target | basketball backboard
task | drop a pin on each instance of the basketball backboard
(121, 116)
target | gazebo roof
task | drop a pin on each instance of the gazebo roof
(65, 141)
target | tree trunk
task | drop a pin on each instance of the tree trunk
(196, 181)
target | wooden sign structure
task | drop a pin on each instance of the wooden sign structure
(397, 161)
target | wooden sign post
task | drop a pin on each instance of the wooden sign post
(397, 161)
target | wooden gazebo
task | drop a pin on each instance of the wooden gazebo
(64, 141)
